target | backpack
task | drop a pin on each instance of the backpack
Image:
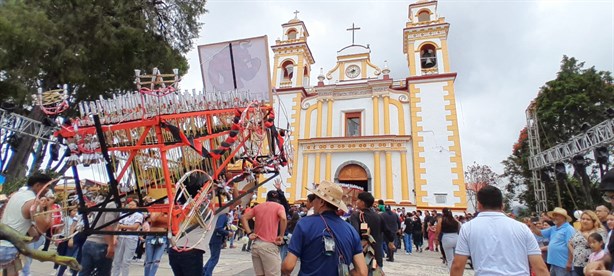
(368, 247)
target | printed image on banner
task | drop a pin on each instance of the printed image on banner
(241, 65)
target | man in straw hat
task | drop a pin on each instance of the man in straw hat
(324, 241)
(559, 258)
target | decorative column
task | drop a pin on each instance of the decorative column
(375, 115)
(404, 184)
(305, 174)
(386, 115)
(377, 183)
(389, 189)
(329, 120)
(316, 173)
(327, 172)
(319, 120)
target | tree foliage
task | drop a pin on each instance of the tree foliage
(92, 46)
(576, 96)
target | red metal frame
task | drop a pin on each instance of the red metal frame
(155, 123)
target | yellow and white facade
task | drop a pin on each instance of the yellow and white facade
(399, 139)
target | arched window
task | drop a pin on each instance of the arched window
(424, 16)
(288, 68)
(428, 56)
(292, 34)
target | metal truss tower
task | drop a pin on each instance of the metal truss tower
(534, 150)
(23, 125)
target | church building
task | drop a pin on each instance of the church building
(398, 139)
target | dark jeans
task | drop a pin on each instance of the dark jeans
(215, 250)
(62, 248)
(389, 253)
(578, 271)
(186, 263)
(93, 257)
(72, 252)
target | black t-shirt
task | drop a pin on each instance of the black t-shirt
(417, 226)
(408, 226)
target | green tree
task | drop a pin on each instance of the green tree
(576, 96)
(92, 46)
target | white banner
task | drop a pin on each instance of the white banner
(241, 65)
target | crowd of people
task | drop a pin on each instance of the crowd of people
(325, 235)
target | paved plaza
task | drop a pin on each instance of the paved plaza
(235, 262)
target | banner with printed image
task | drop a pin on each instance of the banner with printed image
(239, 65)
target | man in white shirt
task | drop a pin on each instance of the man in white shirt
(497, 244)
(18, 215)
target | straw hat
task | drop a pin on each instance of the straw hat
(330, 193)
(559, 211)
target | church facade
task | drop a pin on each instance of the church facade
(398, 139)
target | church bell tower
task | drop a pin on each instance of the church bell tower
(292, 56)
(438, 168)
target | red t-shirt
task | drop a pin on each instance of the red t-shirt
(267, 217)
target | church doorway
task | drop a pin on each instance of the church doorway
(354, 173)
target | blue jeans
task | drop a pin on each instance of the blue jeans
(283, 251)
(558, 271)
(187, 263)
(8, 254)
(407, 242)
(34, 245)
(214, 249)
(71, 252)
(153, 253)
(94, 257)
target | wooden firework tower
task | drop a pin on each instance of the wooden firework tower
(175, 147)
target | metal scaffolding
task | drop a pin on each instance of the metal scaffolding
(23, 125)
(535, 150)
(599, 135)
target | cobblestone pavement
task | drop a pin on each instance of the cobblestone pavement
(235, 262)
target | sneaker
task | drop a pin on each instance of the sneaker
(407, 253)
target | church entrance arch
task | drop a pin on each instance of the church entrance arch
(354, 172)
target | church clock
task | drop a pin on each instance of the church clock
(352, 71)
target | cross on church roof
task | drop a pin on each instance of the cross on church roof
(353, 29)
(296, 14)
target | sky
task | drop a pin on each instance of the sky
(503, 51)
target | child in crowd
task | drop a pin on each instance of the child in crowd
(595, 241)
(597, 261)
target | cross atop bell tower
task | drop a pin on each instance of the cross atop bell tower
(353, 29)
